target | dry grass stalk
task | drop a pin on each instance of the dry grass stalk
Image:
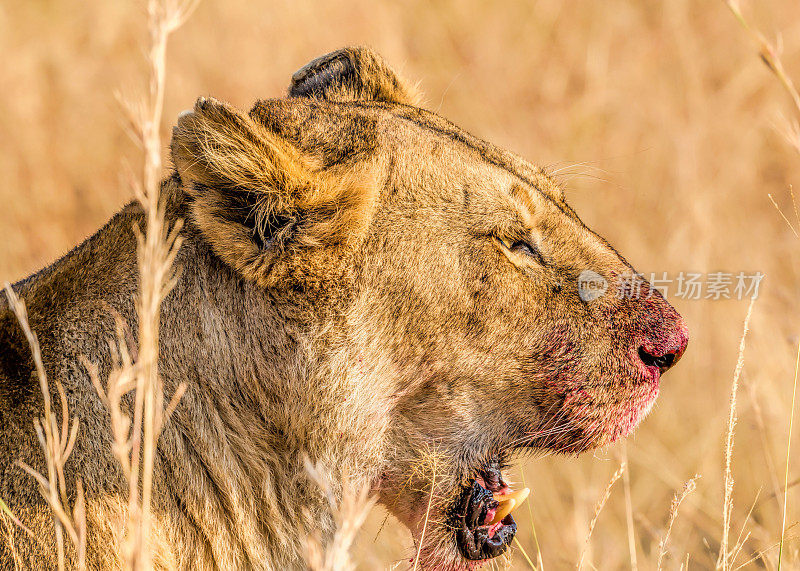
(765, 442)
(349, 515)
(761, 554)
(533, 524)
(525, 554)
(788, 450)
(6, 511)
(770, 54)
(724, 560)
(427, 515)
(626, 483)
(57, 443)
(135, 439)
(598, 508)
(740, 542)
(677, 500)
(778, 208)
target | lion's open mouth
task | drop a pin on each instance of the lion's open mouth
(482, 517)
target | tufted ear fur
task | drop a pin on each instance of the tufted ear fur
(266, 209)
(349, 74)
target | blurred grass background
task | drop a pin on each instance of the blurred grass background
(660, 116)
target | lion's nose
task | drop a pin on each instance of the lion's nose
(665, 355)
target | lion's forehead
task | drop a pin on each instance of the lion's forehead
(339, 133)
(434, 161)
(431, 162)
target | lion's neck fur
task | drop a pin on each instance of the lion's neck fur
(271, 390)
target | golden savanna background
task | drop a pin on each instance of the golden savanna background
(659, 118)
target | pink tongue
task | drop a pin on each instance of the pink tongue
(494, 528)
(489, 516)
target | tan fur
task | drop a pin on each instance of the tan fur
(352, 74)
(352, 294)
(218, 151)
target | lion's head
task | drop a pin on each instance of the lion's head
(481, 315)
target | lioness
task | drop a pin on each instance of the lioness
(364, 287)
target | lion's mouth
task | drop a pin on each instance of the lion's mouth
(482, 517)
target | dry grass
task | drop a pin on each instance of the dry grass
(660, 119)
(726, 557)
(157, 245)
(597, 509)
(349, 514)
(771, 56)
(689, 487)
(788, 456)
(427, 517)
(57, 440)
(626, 482)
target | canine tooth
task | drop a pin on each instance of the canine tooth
(503, 510)
(518, 495)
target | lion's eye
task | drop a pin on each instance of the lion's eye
(523, 248)
(526, 249)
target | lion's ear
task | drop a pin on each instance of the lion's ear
(266, 209)
(350, 74)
